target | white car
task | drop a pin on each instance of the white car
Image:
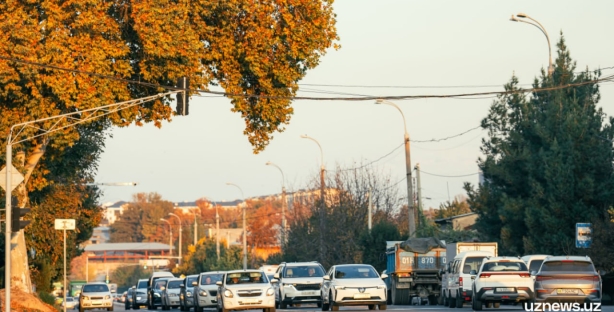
(245, 290)
(501, 280)
(70, 303)
(352, 285)
(298, 283)
(170, 293)
(95, 296)
(205, 290)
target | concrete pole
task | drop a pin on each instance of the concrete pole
(283, 218)
(217, 233)
(410, 191)
(322, 223)
(180, 230)
(370, 209)
(244, 240)
(195, 230)
(419, 194)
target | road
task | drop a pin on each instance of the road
(425, 308)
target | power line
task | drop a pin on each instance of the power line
(446, 138)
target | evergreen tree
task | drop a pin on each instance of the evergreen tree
(548, 162)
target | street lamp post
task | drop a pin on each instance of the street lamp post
(244, 227)
(180, 230)
(170, 239)
(520, 18)
(322, 224)
(217, 232)
(283, 205)
(410, 192)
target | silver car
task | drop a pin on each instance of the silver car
(567, 279)
(170, 293)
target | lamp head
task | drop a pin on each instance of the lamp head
(304, 136)
(268, 163)
(513, 18)
(228, 183)
(521, 15)
(379, 101)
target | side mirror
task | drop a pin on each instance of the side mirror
(276, 275)
(326, 278)
(384, 276)
(219, 283)
(274, 281)
(194, 283)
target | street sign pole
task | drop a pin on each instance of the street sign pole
(64, 224)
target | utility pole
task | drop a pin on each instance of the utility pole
(195, 229)
(370, 209)
(322, 210)
(419, 194)
(217, 232)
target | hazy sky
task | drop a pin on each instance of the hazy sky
(388, 48)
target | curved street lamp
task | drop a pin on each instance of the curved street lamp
(410, 192)
(283, 205)
(322, 225)
(180, 230)
(520, 17)
(244, 227)
(170, 240)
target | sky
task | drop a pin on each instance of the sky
(388, 48)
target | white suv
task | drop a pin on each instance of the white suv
(95, 296)
(298, 282)
(501, 280)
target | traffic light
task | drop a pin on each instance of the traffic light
(16, 214)
(183, 97)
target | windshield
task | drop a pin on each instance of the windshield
(304, 271)
(246, 278)
(504, 266)
(355, 272)
(567, 266)
(535, 265)
(190, 280)
(173, 285)
(142, 284)
(211, 279)
(95, 288)
(472, 263)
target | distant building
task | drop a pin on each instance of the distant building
(113, 210)
(100, 235)
(460, 222)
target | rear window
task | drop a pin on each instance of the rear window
(504, 266)
(535, 265)
(142, 284)
(567, 266)
(472, 263)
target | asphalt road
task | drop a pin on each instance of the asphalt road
(425, 308)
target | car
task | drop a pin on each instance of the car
(568, 279)
(70, 303)
(298, 282)
(245, 290)
(170, 293)
(353, 285)
(534, 262)
(205, 290)
(459, 278)
(501, 280)
(154, 288)
(122, 297)
(186, 297)
(139, 295)
(95, 296)
(128, 300)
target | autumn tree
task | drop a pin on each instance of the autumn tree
(58, 58)
(457, 207)
(140, 220)
(547, 162)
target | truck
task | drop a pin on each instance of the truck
(453, 249)
(413, 268)
(74, 288)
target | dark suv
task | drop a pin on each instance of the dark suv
(567, 279)
(186, 297)
(154, 290)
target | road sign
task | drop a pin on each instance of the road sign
(16, 178)
(65, 224)
(584, 236)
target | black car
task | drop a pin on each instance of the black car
(128, 300)
(156, 281)
(186, 297)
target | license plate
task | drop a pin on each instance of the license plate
(506, 289)
(567, 291)
(362, 296)
(310, 293)
(250, 300)
(96, 302)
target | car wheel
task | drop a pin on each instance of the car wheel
(383, 307)
(496, 305)
(488, 305)
(334, 307)
(476, 304)
(371, 307)
(459, 301)
(110, 309)
(81, 309)
(451, 301)
(325, 306)
(283, 305)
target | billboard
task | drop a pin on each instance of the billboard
(583, 235)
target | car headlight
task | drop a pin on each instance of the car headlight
(138, 298)
(270, 292)
(189, 294)
(156, 295)
(339, 287)
(204, 293)
(227, 293)
(86, 298)
(107, 297)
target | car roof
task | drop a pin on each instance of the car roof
(174, 279)
(496, 259)
(213, 272)
(96, 283)
(473, 253)
(534, 257)
(353, 265)
(244, 271)
(301, 263)
(573, 258)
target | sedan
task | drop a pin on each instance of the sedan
(353, 285)
(568, 279)
(245, 290)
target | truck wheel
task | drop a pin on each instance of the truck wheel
(389, 296)
(439, 300)
(283, 305)
(383, 307)
(496, 305)
(371, 307)
(334, 308)
(459, 300)
(451, 301)
(432, 300)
